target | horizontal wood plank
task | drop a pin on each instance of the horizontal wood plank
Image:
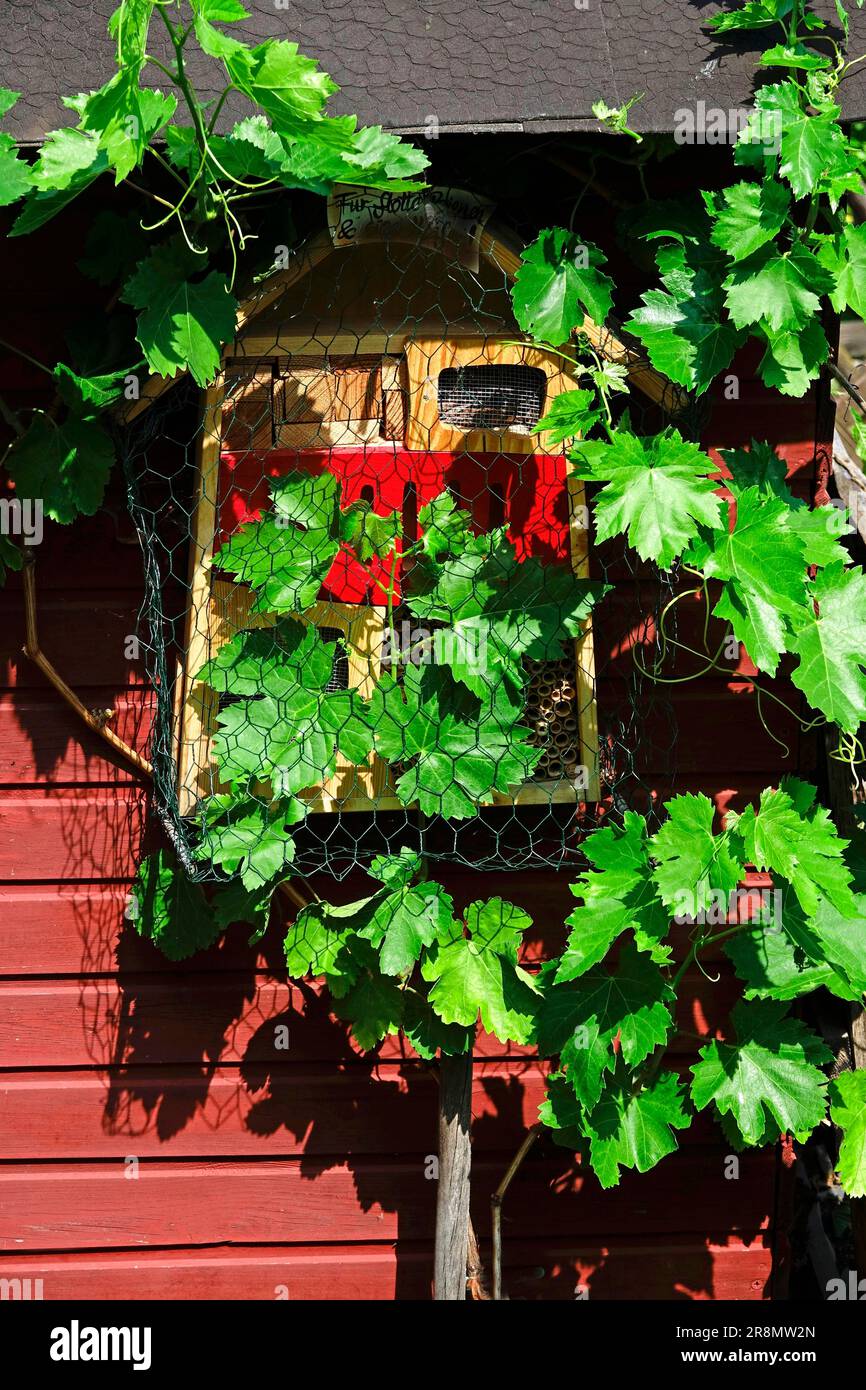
(269, 1111)
(85, 634)
(71, 835)
(44, 742)
(632, 1269)
(238, 1017)
(117, 1205)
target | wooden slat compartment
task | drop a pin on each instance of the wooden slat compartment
(323, 402)
(248, 408)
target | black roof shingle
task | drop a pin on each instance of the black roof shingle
(533, 65)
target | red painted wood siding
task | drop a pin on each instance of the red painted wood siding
(154, 1143)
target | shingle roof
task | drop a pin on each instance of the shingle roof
(533, 65)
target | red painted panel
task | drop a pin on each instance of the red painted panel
(75, 929)
(72, 834)
(633, 1269)
(85, 635)
(222, 1017)
(42, 740)
(532, 491)
(270, 1111)
(95, 1206)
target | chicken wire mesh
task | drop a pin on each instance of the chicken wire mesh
(398, 371)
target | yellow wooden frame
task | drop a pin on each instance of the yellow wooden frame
(426, 357)
(218, 608)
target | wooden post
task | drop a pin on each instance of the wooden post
(842, 806)
(455, 1157)
(858, 1204)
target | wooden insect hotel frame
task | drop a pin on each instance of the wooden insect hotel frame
(402, 371)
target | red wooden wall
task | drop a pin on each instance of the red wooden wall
(154, 1143)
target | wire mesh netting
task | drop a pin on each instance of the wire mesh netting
(312, 652)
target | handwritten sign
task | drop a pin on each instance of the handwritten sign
(448, 220)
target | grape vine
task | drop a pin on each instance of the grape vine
(766, 259)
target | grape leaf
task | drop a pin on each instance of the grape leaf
(212, 41)
(398, 921)
(785, 55)
(683, 326)
(835, 947)
(401, 922)
(500, 609)
(845, 258)
(40, 205)
(274, 660)
(290, 742)
(333, 151)
(694, 865)
(584, 1049)
(811, 147)
(328, 152)
(621, 897)
(562, 1113)
(806, 850)
(445, 528)
(848, 1111)
(182, 322)
(426, 1031)
(773, 966)
(277, 79)
(754, 14)
(655, 490)
(285, 727)
(793, 358)
(235, 903)
(747, 216)
(65, 466)
(558, 284)
(779, 289)
(87, 395)
(758, 466)
(770, 1072)
(842, 939)
(465, 749)
(583, 1018)
(124, 118)
(15, 173)
(16, 176)
(250, 836)
(817, 528)
(633, 1004)
(288, 554)
(374, 1007)
(756, 596)
(479, 974)
(317, 941)
(831, 645)
(170, 910)
(368, 533)
(64, 156)
(284, 564)
(571, 414)
(631, 1129)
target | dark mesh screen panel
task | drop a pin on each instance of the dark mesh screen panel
(494, 397)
